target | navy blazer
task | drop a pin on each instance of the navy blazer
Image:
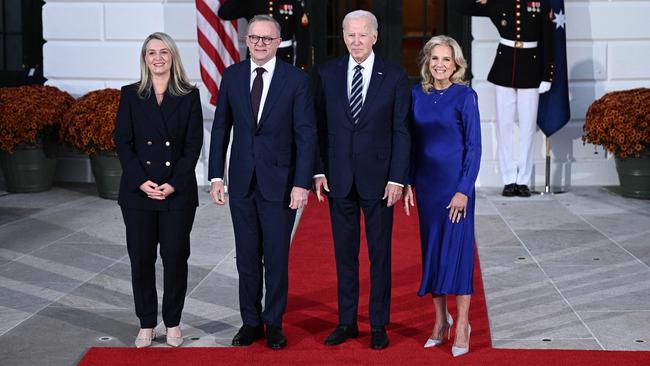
(161, 144)
(374, 151)
(280, 150)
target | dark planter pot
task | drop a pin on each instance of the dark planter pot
(634, 175)
(27, 169)
(108, 172)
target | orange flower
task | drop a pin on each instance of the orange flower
(620, 121)
(30, 113)
(89, 124)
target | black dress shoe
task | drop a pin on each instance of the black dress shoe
(510, 190)
(275, 339)
(523, 191)
(341, 334)
(378, 338)
(247, 334)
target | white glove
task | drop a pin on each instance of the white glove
(544, 86)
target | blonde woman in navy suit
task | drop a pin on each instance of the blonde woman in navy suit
(158, 134)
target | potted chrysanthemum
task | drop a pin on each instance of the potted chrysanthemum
(620, 122)
(30, 117)
(88, 126)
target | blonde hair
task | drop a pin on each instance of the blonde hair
(179, 83)
(457, 53)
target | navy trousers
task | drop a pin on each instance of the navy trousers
(345, 216)
(144, 230)
(262, 239)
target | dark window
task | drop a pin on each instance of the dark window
(404, 28)
(21, 42)
(336, 11)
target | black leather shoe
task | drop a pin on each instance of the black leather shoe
(378, 338)
(341, 334)
(247, 335)
(275, 339)
(510, 190)
(523, 191)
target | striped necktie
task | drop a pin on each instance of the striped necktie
(356, 100)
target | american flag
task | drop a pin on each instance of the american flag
(217, 44)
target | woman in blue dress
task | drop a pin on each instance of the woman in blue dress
(446, 156)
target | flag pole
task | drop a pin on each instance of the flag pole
(547, 176)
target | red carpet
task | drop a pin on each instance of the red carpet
(311, 315)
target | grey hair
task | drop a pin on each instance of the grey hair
(265, 18)
(362, 14)
(179, 83)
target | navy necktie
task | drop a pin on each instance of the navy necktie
(256, 91)
(356, 100)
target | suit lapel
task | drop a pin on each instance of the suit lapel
(342, 85)
(376, 79)
(153, 112)
(275, 89)
(244, 90)
(168, 108)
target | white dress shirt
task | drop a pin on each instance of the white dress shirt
(269, 66)
(366, 73)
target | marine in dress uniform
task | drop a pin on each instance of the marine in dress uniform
(522, 69)
(293, 20)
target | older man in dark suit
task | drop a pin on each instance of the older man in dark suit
(362, 104)
(268, 104)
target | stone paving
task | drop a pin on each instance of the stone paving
(560, 271)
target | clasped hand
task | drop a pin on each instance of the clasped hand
(155, 191)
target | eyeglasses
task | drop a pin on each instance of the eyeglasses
(266, 40)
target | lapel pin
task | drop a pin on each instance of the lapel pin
(380, 73)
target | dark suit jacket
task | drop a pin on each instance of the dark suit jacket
(161, 144)
(280, 149)
(377, 149)
(518, 67)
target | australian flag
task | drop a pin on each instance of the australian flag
(553, 111)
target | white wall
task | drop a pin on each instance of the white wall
(95, 44)
(608, 43)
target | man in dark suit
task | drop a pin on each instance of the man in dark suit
(522, 69)
(293, 20)
(362, 104)
(269, 105)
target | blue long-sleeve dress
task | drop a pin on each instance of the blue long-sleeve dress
(446, 158)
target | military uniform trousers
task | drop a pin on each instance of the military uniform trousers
(525, 102)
